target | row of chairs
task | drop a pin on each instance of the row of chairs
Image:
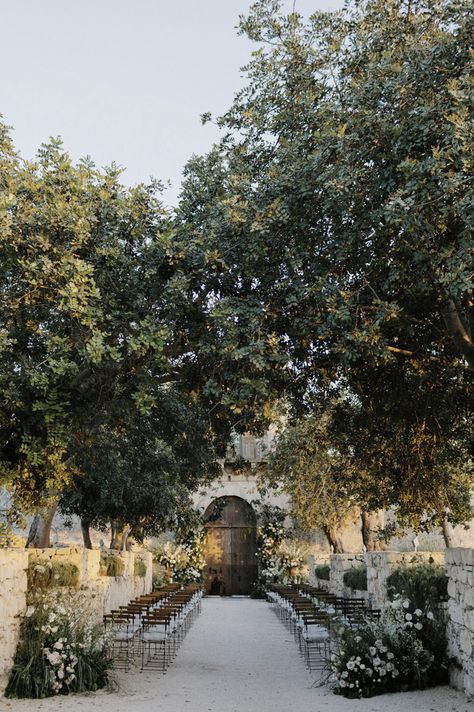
(151, 627)
(308, 612)
(353, 611)
(306, 621)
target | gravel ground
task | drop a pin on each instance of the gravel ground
(237, 657)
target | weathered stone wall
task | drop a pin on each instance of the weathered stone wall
(340, 563)
(313, 561)
(460, 570)
(13, 565)
(95, 594)
(380, 565)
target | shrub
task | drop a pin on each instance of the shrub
(323, 572)
(59, 652)
(356, 578)
(406, 650)
(139, 568)
(111, 565)
(424, 585)
(43, 573)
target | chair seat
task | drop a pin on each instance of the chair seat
(154, 636)
(121, 635)
(315, 634)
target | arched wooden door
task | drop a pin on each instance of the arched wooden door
(231, 563)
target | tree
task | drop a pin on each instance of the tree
(139, 476)
(78, 344)
(306, 467)
(336, 219)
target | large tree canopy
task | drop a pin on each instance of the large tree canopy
(100, 344)
(332, 228)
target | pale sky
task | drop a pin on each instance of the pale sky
(123, 80)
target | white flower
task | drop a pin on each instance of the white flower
(372, 651)
(390, 656)
(29, 611)
(406, 603)
(377, 662)
(344, 674)
(418, 612)
(350, 665)
(430, 616)
(418, 626)
(358, 638)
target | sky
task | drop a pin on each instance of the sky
(123, 80)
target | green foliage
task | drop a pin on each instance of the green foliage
(423, 584)
(323, 571)
(43, 573)
(407, 650)
(111, 565)
(317, 473)
(356, 578)
(58, 653)
(139, 568)
(345, 169)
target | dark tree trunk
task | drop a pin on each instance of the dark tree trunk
(86, 535)
(39, 536)
(334, 539)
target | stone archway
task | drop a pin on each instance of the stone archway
(231, 562)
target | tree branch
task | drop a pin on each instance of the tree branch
(458, 332)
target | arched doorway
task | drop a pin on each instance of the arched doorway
(231, 563)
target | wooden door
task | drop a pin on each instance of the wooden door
(231, 564)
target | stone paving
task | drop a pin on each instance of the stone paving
(237, 657)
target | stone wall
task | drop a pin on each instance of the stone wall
(340, 563)
(380, 565)
(13, 565)
(313, 561)
(460, 570)
(95, 594)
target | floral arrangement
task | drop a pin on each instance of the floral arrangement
(193, 542)
(292, 555)
(280, 559)
(59, 650)
(174, 558)
(406, 650)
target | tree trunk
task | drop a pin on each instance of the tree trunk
(371, 541)
(39, 536)
(125, 535)
(447, 530)
(119, 533)
(458, 331)
(114, 533)
(334, 539)
(86, 535)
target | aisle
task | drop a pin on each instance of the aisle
(237, 657)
